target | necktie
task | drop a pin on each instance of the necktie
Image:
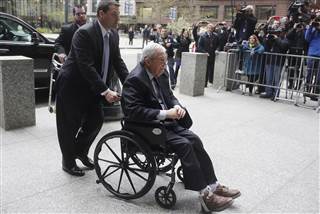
(158, 93)
(105, 59)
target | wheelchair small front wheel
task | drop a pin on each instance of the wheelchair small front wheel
(165, 198)
(180, 173)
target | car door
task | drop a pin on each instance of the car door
(18, 39)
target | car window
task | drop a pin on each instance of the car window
(13, 31)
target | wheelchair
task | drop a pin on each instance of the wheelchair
(54, 68)
(127, 161)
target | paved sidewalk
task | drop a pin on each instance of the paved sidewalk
(270, 151)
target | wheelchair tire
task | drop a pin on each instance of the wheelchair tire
(115, 168)
(165, 199)
(180, 173)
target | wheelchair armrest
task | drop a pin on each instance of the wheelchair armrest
(153, 132)
(153, 123)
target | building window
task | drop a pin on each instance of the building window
(209, 12)
(263, 12)
(228, 12)
(145, 13)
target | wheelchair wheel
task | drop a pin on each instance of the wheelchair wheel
(180, 173)
(116, 168)
(166, 199)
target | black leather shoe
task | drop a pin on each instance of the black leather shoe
(88, 162)
(73, 171)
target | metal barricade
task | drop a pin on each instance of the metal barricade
(294, 78)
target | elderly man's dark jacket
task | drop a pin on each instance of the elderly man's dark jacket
(139, 101)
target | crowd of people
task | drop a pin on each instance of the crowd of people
(295, 34)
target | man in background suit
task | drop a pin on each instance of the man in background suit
(63, 42)
(146, 96)
(208, 43)
(84, 82)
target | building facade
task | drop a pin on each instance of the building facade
(159, 11)
(53, 13)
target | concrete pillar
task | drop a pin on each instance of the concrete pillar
(220, 69)
(17, 99)
(193, 73)
(225, 66)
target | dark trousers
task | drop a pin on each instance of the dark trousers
(171, 71)
(178, 64)
(313, 76)
(197, 167)
(251, 78)
(210, 69)
(74, 111)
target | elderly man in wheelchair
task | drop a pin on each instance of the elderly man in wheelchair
(154, 136)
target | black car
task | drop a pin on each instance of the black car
(19, 38)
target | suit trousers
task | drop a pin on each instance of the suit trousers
(75, 110)
(210, 69)
(197, 167)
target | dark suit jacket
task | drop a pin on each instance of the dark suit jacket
(82, 69)
(63, 42)
(139, 101)
(208, 44)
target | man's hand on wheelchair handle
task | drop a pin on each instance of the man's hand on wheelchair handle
(112, 96)
(62, 57)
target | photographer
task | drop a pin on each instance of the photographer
(222, 32)
(245, 23)
(298, 46)
(275, 42)
(299, 12)
(312, 36)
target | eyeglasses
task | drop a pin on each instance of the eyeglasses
(81, 14)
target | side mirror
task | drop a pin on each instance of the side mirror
(34, 38)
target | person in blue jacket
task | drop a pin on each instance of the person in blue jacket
(252, 60)
(312, 36)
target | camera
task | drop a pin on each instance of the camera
(271, 37)
(299, 12)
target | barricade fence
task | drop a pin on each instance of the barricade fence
(277, 76)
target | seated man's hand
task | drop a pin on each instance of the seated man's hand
(172, 114)
(181, 112)
(112, 96)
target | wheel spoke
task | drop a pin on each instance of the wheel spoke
(129, 178)
(108, 161)
(105, 176)
(137, 169)
(137, 174)
(120, 180)
(114, 154)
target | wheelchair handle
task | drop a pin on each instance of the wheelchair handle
(56, 61)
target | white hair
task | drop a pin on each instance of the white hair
(151, 50)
